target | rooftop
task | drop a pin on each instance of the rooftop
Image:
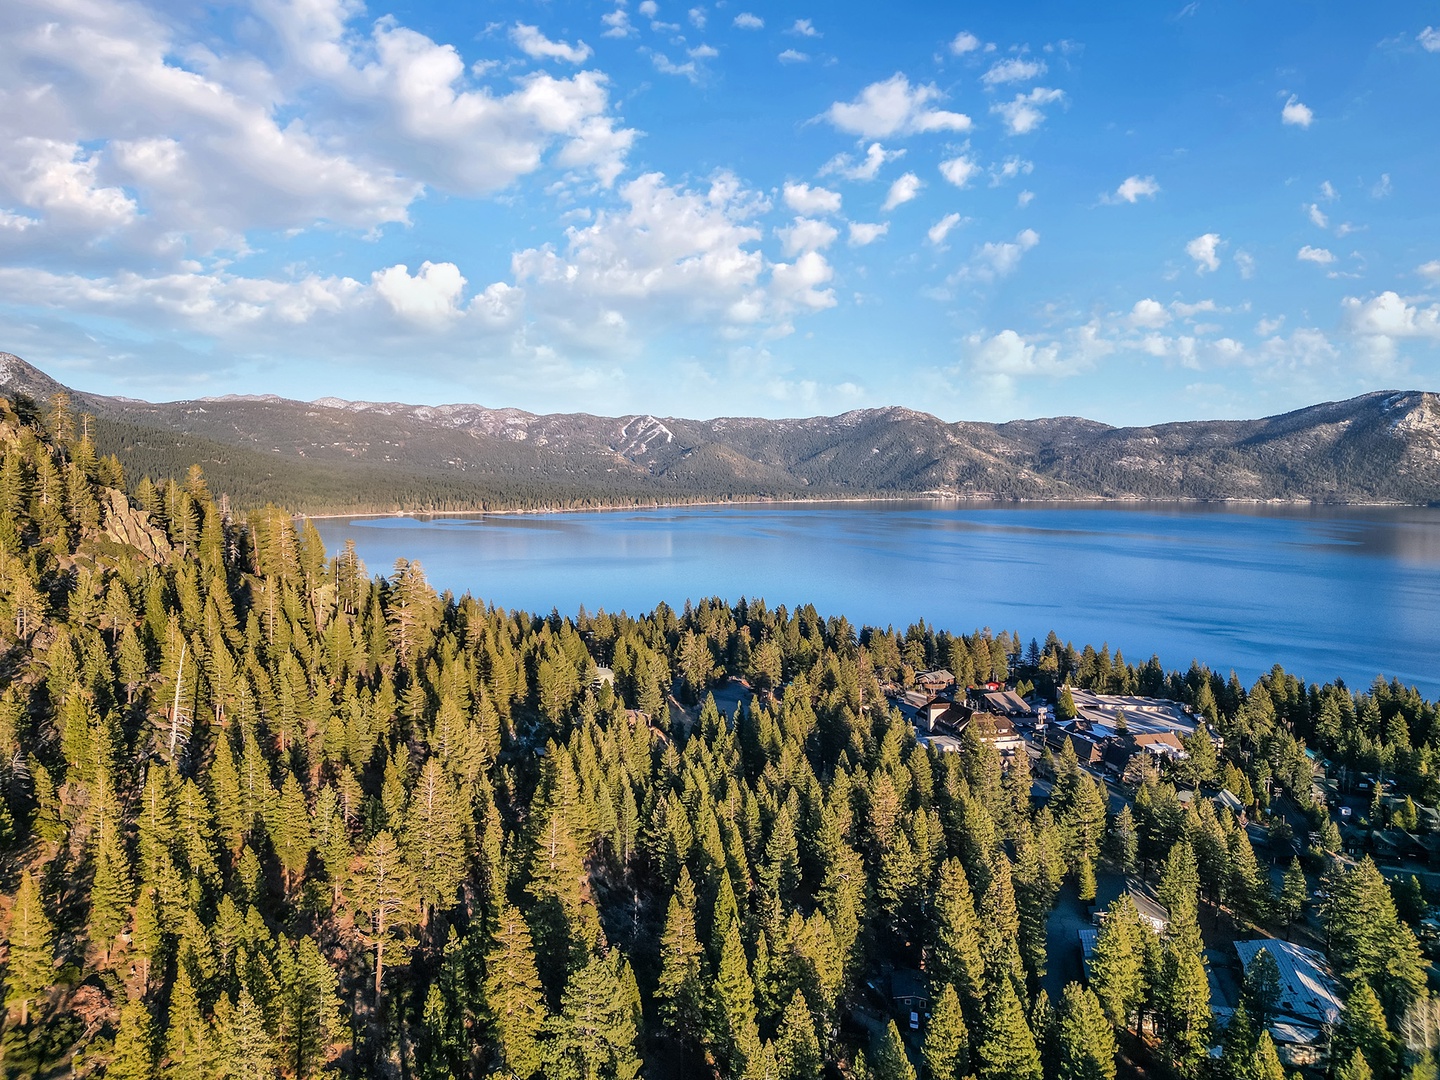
(1308, 990)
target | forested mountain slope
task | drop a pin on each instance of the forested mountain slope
(265, 815)
(341, 455)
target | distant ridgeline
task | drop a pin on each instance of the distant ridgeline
(266, 815)
(340, 456)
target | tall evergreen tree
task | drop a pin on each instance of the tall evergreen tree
(594, 1036)
(889, 1060)
(514, 1001)
(31, 967)
(1006, 1050)
(947, 1040)
(134, 1056)
(681, 990)
(797, 1050)
(1085, 1046)
(735, 1033)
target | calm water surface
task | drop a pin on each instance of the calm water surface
(1325, 592)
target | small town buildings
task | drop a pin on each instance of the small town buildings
(938, 681)
(1114, 713)
(1309, 993)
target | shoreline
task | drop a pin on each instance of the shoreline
(923, 497)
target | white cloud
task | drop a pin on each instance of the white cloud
(806, 234)
(1149, 314)
(1134, 188)
(703, 52)
(536, 45)
(1328, 192)
(666, 66)
(697, 17)
(894, 107)
(1023, 115)
(964, 42)
(747, 21)
(941, 228)
(863, 233)
(804, 199)
(1015, 69)
(1024, 199)
(1430, 269)
(902, 191)
(804, 28)
(1245, 263)
(617, 24)
(1389, 316)
(793, 56)
(875, 157)
(1189, 311)
(428, 298)
(1317, 216)
(649, 8)
(1296, 113)
(1381, 188)
(797, 285)
(1009, 169)
(959, 170)
(1319, 256)
(1429, 39)
(1205, 251)
(997, 260)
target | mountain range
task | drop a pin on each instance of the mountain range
(334, 455)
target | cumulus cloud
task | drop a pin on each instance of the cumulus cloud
(1319, 256)
(617, 23)
(1389, 316)
(793, 56)
(797, 285)
(1016, 69)
(429, 297)
(1134, 188)
(1430, 269)
(1296, 113)
(536, 45)
(997, 260)
(1317, 216)
(804, 28)
(866, 169)
(1205, 250)
(894, 107)
(941, 228)
(863, 233)
(902, 191)
(805, 199)
(1149, 314)
(959, 170)
(1023, 114)
(1429, 39)
(806, 234)
(964, 42)
(746, 21)
(1009, 169)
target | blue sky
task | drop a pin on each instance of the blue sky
(1137, 213)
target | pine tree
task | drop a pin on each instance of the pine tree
(247, 1052)
(311, 1011)
(1085, 1047)
(594, 1036)
(383, 892)
(681, 991)
(513, 997)
(435, 839)
(134, 1056)
(888, 1059)
(956, 946)
(947, 1040)
(1007, 1049)
(191, 1052)
(31, 967)
(1266, 1062)
(112, 891)
(1292, 892)
(1362, 1028)
(291, 831)
(797, 1050)
(735, 1034)
(1184, 1004)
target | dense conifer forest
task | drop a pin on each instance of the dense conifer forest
(267, 815)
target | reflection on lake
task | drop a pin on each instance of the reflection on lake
(1326, 592)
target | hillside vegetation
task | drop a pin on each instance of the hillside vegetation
(335, 455)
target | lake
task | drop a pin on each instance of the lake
(1326, 592)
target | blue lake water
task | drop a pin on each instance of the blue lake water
(1327, 592)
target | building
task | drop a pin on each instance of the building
(1149, 908)
(1089, 750)
(937, 681)
(1005, 703)
(1309, 993)
(999, 731)
(1141, 715)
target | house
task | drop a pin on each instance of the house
(996, 730)
(1089, 750)
(1309, 993)
(1230, 801)
(1004, 703)
(1150, 909)
(935, 682)
(1135, 715)
(909, 995)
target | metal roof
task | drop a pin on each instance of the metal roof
(1308, 990)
